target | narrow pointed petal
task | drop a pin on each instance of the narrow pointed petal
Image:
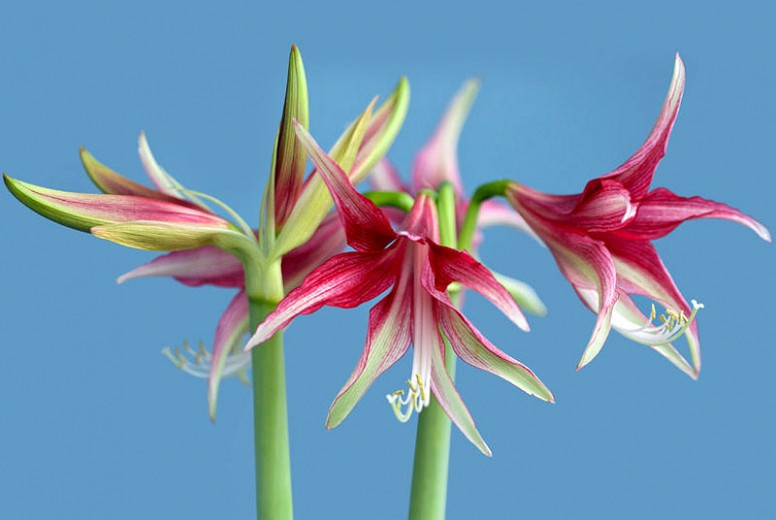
(437, 162)
(205, 265)
(345, 280)
(636, 173)
(82, 211)
(290, 157)
(472, 347)
(450, 265)
(232, 326)
(388, 338)
(661, 211)
(366, 227)
(444, 390)
(108, 181)
(382, 130)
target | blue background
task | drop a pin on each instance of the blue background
(95, 423)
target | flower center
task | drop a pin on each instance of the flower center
(672, 325)
(416, 399)
(199, 362)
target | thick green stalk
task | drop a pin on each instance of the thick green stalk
(270, 419)
(428, 495)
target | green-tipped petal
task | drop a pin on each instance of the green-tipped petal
(83, 211)
(161, 236)
(290, 157)
(523, 294)
(108, 181)
(382, 131)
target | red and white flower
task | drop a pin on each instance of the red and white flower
(601, 240)
(417, 311)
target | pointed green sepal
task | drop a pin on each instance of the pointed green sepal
(289, 156)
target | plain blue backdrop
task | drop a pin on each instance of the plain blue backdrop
(95, 423)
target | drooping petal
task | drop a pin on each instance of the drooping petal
(636, 173)
(366, 227)
(495, 213)
(472, 347)
(345, 280)
(450, 265)
(232, 326)
(388, 338)
(83, 211)
(446, 394)
(437, 161)
(661, 211)
(290, 158)
(205, 265)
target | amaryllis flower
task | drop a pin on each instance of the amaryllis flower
(416, 311)
(601, 240)
(437, 163)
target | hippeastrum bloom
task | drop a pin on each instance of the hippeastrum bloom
(416, 311)
(601, 240)
(436, 164)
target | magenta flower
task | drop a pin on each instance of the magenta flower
(416, 311)
(601, 240)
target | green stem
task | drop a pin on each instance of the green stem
(394, 199)
(270, 419)
(483, 193)
(428, 495)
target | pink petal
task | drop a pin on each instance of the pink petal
(641, 271)
(327, 241)
(604, 206)
(472, 347)
(450, 265)
(388, 338)
(421, 222)
(345, 280)
(384, 177)
(83, 211)
(437, 161)
(108, 181)
(231, 327)
(661, 211)
(205, 265)
(444, 390)
(636, 173)
(366, 226)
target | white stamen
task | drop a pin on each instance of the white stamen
(416, 399)
(198, 362)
